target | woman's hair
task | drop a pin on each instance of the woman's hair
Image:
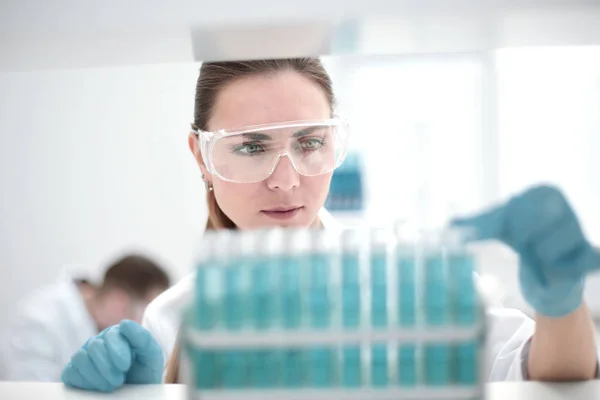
(214, 77)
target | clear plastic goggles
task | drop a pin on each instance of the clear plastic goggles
(251, 155)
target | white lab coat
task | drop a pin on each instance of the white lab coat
(46, 330)
(509, 330)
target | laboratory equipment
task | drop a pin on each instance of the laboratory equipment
(322, 314)
(346, 191)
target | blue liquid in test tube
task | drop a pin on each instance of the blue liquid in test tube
(407, 305)
(321, 366)
(437, 364)
(379, 365)
(235, 302)
(264, 277)
(320, 305)
(205, 367)
(436, 291)
(291, 292)
(437, 356)
(378, 288)
(461, 268)
(378, 269)
(351, 287)
(262, 295)
(407, 365)
(351, 366)
(466, 364)
(294, 368)
(208, 291)
(237, 280)
(407, 314)
(265, 368)
(233, 369)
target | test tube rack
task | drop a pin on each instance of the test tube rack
(316, 314)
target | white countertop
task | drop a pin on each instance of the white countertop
(494, 391)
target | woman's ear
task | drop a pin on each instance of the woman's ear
(195, 149)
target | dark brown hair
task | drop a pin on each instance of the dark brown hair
(135, 274)
(214, 77)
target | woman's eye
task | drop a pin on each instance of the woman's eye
(249, 148)
(312, 143)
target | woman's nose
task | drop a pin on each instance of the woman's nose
(284, 176)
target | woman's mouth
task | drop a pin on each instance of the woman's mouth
(282, 213)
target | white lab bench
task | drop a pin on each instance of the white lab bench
(494, 391)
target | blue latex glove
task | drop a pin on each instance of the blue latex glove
(124, 353)
(554, 255)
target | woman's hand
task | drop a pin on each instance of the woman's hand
(554, 258)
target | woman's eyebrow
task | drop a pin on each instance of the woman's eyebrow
(307, 131)
(256, 136)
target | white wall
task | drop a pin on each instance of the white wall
(94, 162)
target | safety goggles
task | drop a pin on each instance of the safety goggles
(251, 154)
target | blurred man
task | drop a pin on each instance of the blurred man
(51, 325)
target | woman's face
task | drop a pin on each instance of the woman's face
(285, 198)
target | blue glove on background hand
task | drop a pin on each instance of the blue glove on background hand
(124, 353)
(554, 255)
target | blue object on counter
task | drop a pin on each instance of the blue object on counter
(351, 308)
(351, 367)
(379, 288)
(379, 365)
(407, 304)
(291, 291)
(319, 302)
(407, 365)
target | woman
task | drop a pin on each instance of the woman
(264, 170)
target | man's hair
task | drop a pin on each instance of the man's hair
(135, 274)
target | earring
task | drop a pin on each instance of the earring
(207, 184)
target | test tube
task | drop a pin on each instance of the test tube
(293, 284)
(264, 278)
(205, 371)
(436, 355)
(406, 261)
(209, 290)
(319, 297)
(351, 307)
(294, 368)
(321, 366)
(233, 368)
(293, 270)
(237, 281)
(461, 266)
(378, 270)
(352, 240)
(351, 366)
(320, 306)
(379, 365)
(466, 363)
